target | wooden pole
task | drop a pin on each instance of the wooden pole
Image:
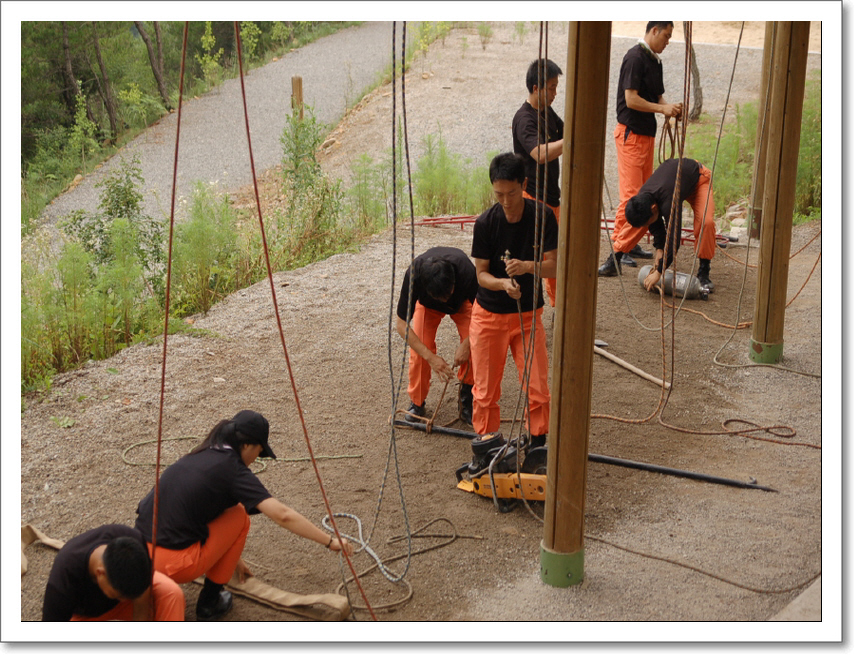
(789, 68)
(297, 95)
(582, 163)
(755, 210)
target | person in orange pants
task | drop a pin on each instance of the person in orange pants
(541, 153)
(105, 574)
(204, 501)
(650, 209)
(639, 99)
(508, 307)
(444, 283)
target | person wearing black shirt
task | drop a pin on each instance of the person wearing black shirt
(105, 575)
(541, 160)
(444, 284)
(508, 306)
(204, 502)
(651, 209)
(639, 99)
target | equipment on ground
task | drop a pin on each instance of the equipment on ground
(687, 286)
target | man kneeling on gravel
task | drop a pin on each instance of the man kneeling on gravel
(444, 284)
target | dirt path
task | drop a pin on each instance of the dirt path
(335, 316)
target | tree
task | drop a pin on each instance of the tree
(155, 59)
(697, 91)
(104, 87)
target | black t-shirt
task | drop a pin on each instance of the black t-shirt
(661, 185)
(194, 491)
(70, 588)
(465, 284)
(493, 235)
(524, 128)
(640, 71)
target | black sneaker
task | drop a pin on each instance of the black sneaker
(608, 269)
(626, 260)
(413, 412)
(465, 399)
(640, 252)
(211, 612)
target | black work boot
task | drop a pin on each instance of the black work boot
(413, 412)
(609, 268)
(626, 260)
(704, 276)
(638, 251)
(214, 601)
(465, 400)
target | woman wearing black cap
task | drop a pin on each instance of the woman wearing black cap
(204, 501)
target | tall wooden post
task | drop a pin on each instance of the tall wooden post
(789, 67)
(297, 95)
(586, 99)
(755, 210)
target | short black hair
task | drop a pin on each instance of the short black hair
(128, 566)
(437, 277)
(507, 166)
(548, 71)
(637, 210)
(661, 24)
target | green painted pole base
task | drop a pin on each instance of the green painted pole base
(765, 353)
(561, 569)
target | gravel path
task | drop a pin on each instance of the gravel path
(336, 70)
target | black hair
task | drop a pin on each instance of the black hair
(128, 566)
(224, 433)
(661, 24)
(637, 210)
(547, 72)
(436, 275)
(507, 166)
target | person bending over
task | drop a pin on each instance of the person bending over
(444, 284)
(205, 499)
(650, 209)
(105, 575)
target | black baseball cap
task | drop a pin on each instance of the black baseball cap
(255, 426)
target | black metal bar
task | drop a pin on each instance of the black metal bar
(604, 459)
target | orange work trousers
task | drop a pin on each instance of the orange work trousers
(703, 208)
(424, 325)
(490, 336)
(168, 603)
(635, 166)
(549, 282)
(216, 559)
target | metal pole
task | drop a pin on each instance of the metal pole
(562, 551)
(789, 67)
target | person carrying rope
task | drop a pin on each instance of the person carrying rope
(105, 575)
(650, 209)
(444, 284)
(507, 310)
(639, 99)
(205, 499)
(541, 161)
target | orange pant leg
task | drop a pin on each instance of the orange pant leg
(538, 385)
(488, 341)
(703, 208)
(217, 558)
(168, 603)
(549, 282)
(424, 325)
(635, 166)
(462, 319)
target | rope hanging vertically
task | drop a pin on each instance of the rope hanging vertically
(279, 320)
(156, 499)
